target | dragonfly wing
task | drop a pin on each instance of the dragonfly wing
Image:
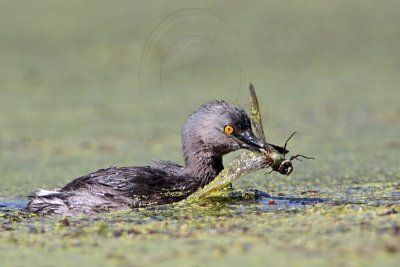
(281, 150)
(255, 116)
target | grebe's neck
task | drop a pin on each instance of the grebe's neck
(202, 164)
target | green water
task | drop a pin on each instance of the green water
(70, 103)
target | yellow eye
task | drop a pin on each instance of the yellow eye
(229, 129)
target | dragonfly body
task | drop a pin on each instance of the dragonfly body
(278, 163)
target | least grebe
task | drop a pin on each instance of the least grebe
(214, 130)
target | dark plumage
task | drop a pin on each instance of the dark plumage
(204, 143)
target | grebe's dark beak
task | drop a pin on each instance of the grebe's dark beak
(250, 141)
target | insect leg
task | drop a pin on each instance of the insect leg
(284, 147)
(300, 155)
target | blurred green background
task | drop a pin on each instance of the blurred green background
(89, 84)
(71, 102)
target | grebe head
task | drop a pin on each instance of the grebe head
(218, 128)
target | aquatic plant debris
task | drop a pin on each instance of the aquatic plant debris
(244, 164)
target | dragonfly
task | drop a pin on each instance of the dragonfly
(273, 157)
